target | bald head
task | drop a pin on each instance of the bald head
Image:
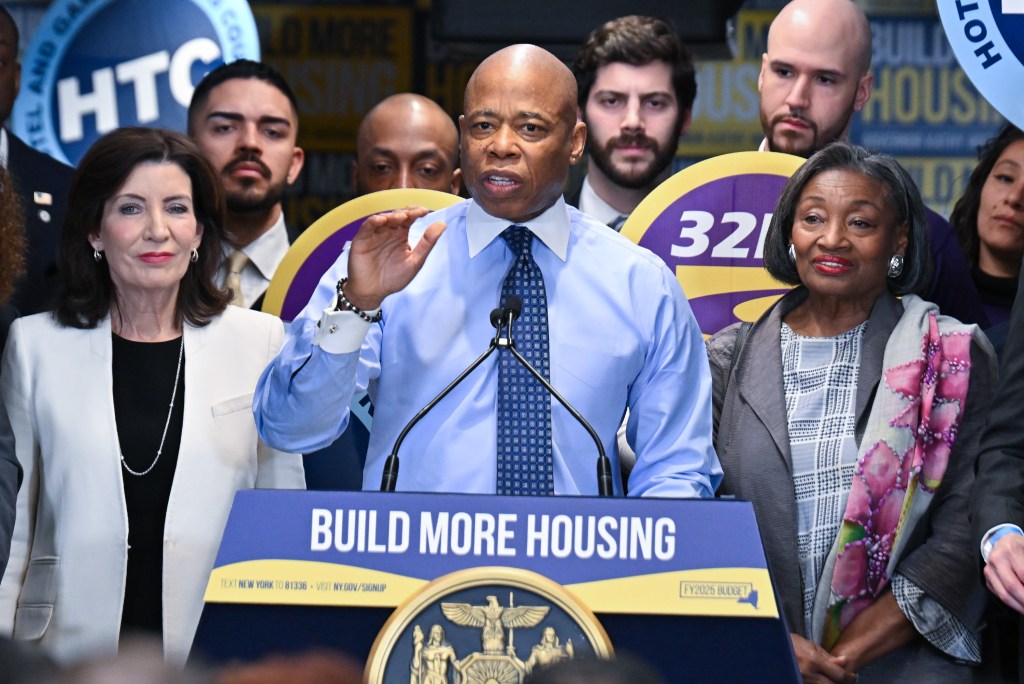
(838, 27)
(406, 141)
(519, 132)
(533, 66)
(815, 75)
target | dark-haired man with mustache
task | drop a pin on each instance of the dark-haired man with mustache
(815, 75)
(245, 120)
(636, 88)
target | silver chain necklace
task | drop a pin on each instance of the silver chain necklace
(174, 393)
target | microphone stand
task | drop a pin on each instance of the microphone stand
(502, 319)
(390, 476)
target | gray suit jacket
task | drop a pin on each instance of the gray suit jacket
(999, 496)
(752, 440)
(10, 481)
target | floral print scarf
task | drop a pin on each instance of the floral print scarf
(904, 452)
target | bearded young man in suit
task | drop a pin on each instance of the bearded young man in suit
(636, 85)
(245, 119)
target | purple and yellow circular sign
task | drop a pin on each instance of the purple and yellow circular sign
(319, 246)
(708, 223)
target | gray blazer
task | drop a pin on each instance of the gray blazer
(10, 481)
(752, 440)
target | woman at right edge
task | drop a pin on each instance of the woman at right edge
(851, 418)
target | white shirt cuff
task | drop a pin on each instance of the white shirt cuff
(341, 332)
(989, 540)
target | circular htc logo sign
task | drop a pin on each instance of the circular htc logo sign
(988, 39)
(96, 65)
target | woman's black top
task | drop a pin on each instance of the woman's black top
(143, 374)
(997, 294)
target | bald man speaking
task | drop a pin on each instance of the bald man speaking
(407, 141)
(406, 309)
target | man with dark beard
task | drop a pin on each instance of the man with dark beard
(815, 75)
(244, 118)
(636, 89)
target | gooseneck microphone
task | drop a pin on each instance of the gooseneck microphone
(502, 319)
(513, 307)
(389, 478)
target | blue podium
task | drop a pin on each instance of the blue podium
(470, 587)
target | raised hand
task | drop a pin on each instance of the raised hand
(380, 260)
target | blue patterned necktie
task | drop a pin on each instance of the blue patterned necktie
(524, 406)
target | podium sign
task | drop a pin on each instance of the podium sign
(655, 575)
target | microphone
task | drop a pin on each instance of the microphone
(502, 319)
(513, 308)
(498, 319)
(503, 316)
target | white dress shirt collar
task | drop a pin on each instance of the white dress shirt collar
(265, 254)
(266, 251)
(552, 227)
(592, 204)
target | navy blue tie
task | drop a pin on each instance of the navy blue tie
(524, 406)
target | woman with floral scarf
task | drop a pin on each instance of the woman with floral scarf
(850, 418)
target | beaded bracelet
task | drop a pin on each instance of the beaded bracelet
(344, 304)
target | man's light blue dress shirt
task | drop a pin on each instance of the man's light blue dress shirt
(621, 335)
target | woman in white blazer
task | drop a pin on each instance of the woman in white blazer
(131, 408)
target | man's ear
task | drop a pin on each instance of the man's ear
(579, 141)
(863, 91)
(456, 181)
(684, 125)
(298, 159)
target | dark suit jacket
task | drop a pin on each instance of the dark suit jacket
(10, 469)
(998, 495)
(752, 439)
(10, 481)
(35, 172)
(999, 489)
